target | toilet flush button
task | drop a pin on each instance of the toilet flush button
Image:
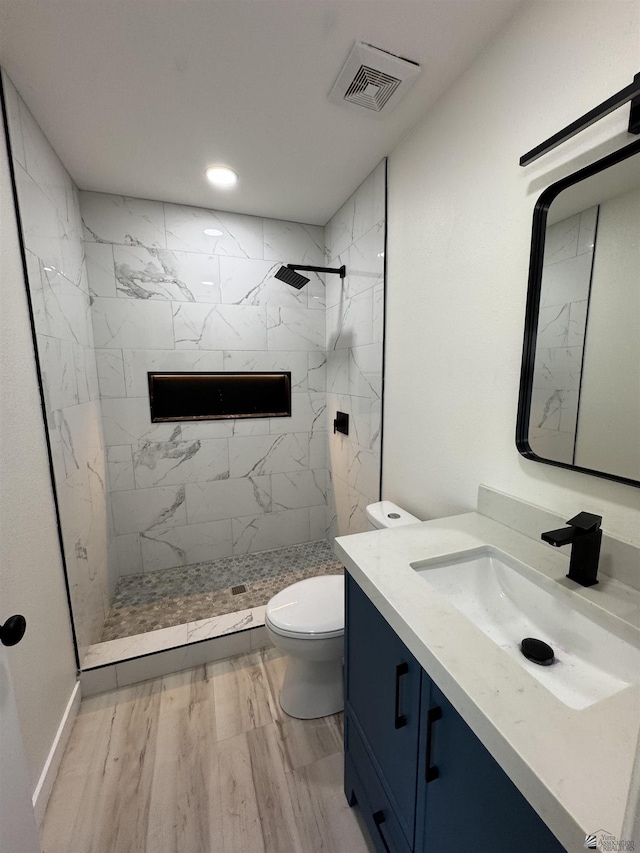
(393, 515)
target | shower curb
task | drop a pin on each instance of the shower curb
(144, 661)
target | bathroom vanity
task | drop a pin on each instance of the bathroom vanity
(402, 735)
(451, 742)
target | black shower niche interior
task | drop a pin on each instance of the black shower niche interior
(214, 396)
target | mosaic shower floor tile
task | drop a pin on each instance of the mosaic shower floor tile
(171, 597)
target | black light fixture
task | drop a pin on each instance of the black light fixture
(629, 93)
(289, 275)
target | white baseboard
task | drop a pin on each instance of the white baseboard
(52, 764)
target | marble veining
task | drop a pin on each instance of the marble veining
(177, 545)
(293, 242)
(175, 462)
(167, 296)
(317, 371)
(256, 455)
(110, 373)
(179, 555)
(552, 408)
(165, 514)
(127, 421)
(246, 281)
(250, 534)
(562, 324)
(203, 629)
(132, 323)
(159, 294)
(241, 236)
(295, 329)
(57, 279)
(219, 327)
(143, 510)
(150, 280)
(354, 333)
(121, 220)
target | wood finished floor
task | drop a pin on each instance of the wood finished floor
(202, 761)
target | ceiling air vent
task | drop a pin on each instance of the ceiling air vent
(373, 78)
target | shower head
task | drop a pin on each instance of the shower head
(291, 277)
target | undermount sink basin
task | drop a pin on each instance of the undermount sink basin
(509, 601)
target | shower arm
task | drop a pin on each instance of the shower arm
(341, 271)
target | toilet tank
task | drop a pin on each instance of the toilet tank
(387, 514)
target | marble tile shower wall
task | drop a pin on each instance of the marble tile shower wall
(168, 296)
(355, 236)
(57, 280)
(562, 322)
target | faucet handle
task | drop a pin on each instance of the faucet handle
(586, 521)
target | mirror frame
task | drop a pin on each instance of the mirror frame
(538, 235)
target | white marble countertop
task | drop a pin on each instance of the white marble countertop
(573, 766)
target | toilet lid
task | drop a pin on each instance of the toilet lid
(314, 606)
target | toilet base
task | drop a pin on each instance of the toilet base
(312, 689)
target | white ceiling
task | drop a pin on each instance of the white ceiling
(138, 97)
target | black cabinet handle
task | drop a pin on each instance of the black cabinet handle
(13, 630)
(378, 819)
(400, 720)
(433, 715)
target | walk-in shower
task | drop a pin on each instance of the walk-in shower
(189, 403)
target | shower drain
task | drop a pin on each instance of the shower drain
(236, 590)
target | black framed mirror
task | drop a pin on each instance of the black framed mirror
(579, 404)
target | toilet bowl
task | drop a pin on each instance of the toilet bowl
(306, 621)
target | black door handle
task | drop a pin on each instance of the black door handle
(431, 772)
(399, 719)
(378, 819)
(13, 630)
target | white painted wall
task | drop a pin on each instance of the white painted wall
(31, 578)
(460, 210)
(609, 416)
(18, 829)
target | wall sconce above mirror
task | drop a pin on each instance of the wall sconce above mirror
(579, 403)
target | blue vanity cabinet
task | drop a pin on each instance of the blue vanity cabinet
(382, 701)
(422, 779)
(465, 799)
(363, 786)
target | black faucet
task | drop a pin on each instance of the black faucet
(584, 536)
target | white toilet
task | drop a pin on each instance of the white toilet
(387, 514)
(306, 621)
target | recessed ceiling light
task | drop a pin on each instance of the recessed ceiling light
(212, 232)
(221, 176)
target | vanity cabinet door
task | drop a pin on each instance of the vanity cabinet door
(469, 803)
(362, 786)
(383, 699)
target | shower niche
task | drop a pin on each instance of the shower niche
(216, 396)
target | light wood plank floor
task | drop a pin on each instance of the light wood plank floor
(202, 761)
